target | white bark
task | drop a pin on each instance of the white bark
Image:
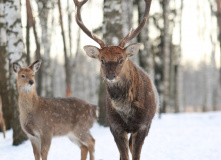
(112, 25)
(14, 34)
(14, 31)
(15, 53)
(3, 35)
(166, 54)
(44, 8)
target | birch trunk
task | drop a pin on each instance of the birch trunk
(44, 76)
(166, 55)
(218, 3)
(179, 75)
(15, 53)
(66, 58)
(4, 69)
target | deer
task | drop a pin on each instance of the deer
(44, 118)
(132, 97)
(2, 121)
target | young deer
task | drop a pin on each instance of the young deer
(131, 95)
(2, 121)
(44, 118)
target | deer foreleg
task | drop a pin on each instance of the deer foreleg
(137, 141)
(36, 147)
(122, 143)
(45, 145)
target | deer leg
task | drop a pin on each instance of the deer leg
(122, 143)
(36, 147)
(2, 122)
(82, 141)
(84, 151)
(130, 144)
(91, 146)
(45, 145)
(88, 141)
(137, 142)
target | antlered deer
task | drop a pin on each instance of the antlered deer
(44, 118)
(131, 95)
(2, 121)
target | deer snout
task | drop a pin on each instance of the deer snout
(110, 76)
(31, 82)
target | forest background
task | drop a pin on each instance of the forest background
(180, 50)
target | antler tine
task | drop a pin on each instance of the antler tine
(130, 36)
(81, 24)
(123, 41)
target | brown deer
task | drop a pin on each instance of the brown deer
(44, 118)
(132, 97)
(2, 121)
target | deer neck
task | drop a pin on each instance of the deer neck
(27, 100)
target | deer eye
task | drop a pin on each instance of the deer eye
(23, 76)
(121, 61)
(102, 61)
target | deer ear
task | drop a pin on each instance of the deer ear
(16, 67)
(36, 65)
(92, 51)
(132, 49)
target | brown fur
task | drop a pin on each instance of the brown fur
(44, 118)
(2, 121)
(132, 98)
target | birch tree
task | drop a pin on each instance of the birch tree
(44, 76)
(4, 68)
(178, 69)
(66, 58)
(218, 14)
(15, 53)
(166, 54)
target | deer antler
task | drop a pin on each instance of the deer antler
(81, 24)
(133, 34)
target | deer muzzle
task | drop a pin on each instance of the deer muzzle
(110, 76)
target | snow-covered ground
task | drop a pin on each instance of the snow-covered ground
(174, 137)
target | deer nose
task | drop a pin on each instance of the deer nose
(31, 82)
(110, 76)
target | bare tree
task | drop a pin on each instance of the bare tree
(15, 53)
(28, 26)
(44, 77)
(178, 70)
(218, 14)
(4, 69)
(66, 58)
(166, 54)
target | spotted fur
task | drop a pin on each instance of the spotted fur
(45, 118)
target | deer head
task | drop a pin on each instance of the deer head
(112, 58)
(25, 78)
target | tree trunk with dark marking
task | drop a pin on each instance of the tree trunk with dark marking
(15, 53)
(67, 62)
(4, 69)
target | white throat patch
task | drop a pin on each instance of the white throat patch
(28, 88)
(113, 81)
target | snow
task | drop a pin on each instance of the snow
(174, 137)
